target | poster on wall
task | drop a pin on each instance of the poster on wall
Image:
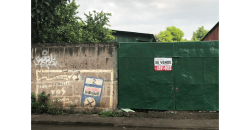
(162, 64)
(92, 92)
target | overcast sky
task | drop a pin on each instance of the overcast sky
(153, 16)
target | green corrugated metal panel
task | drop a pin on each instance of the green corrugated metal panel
(132, 89)
(195, 73)
(158, 93)
(198, 82)
(145, 49)
(196, 49)
(140, 87)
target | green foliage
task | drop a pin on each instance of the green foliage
(199, 34)
(34, 104)
(41, 105)
(94, 30)
(110, 114)
(59, 24)
(165, 36)
(89, 112)
(171, 34)
(54, 110)
(85, 112)
(43, 15)
(72, 109)
(186, 40)
(157, 38)
(44, 102)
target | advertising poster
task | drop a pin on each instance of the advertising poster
(92, 92)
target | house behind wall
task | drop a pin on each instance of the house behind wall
(213, 34)
(125, 36)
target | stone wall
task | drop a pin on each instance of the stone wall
(60, 70)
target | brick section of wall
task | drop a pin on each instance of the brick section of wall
(60, 70)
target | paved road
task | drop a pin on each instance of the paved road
(74, 122)
(64, 127)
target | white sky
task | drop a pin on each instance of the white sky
(153, 16)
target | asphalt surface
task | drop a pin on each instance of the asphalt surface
(92, 122)
(71, 127)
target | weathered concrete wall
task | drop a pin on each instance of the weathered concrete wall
(60, 70)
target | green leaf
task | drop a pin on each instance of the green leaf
(38, 11)
(42, 12)
(33, 14)
(46, 3)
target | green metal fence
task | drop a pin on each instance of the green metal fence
(192, 84)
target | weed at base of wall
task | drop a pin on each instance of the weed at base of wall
(42, 105)
(72, 110)
(54, 110)
(110, 114)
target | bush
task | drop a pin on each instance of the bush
(44, 102)
(34, 104)
(42, 105)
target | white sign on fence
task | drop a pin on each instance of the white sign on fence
(162, 64)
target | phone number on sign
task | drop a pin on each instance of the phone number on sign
(163, 68)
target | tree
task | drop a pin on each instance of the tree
(94, 29)
(43, 14)
(186, 40)
(199, 34)
(68, 28)
(157, 38)
(171, 34)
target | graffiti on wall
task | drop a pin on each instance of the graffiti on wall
(58, 91)
(66, 100)
(62, 99)
(46, 60)
(92, 91)
(64, 77)
(62, 85)
(55, 84)
(74, 102)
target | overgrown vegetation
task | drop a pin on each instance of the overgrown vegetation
(89, 112)
(110, 114)
(56, 22)
(42, 105)
(72, 109)
(54, 110)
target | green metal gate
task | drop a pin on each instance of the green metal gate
(193, 83)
